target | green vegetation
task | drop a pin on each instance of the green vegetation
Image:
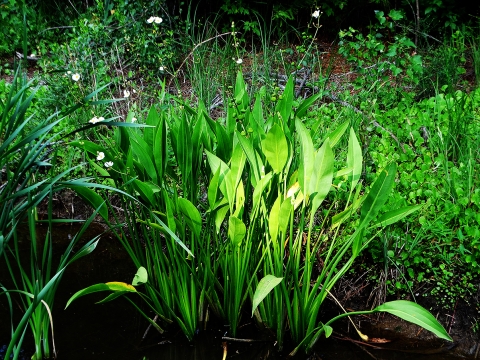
(238, 165)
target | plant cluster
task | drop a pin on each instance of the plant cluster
(237, 213)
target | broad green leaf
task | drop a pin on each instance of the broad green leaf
(341, 217)
(305, 105)
(213, 189)
(120, 286)
(284, 105)
(145, 192)
(239, 199)
(337, 134)
(143, 156)
(152, 120)
(252, 157)
(273, 221)
(257, 120)
(232, 178)
(112, 296)
(284, 215)
(89, 290)
(378, 194)
(396, 215)
(275, 148)
(263, 289)
(192, 215)
(321, 180)
(416, 314)
(236, 230)
(354, 159)
(374, 201)
(224, 144)
(141, 277)
(343, 172)
(92, 198)
(257, 193)
(85, 250)
(328, 330)
(215, 162)
(307, 158)
(220, 216)
(160, 149)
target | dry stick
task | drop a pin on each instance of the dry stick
(452, 320)
(302, 84)
(360, 344)
(373, 122)
(242, 340)
(148, 328)
(191, 53)
(362, 336)
(32, 58)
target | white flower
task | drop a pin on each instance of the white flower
(69, 72)
(76, 77)
(161, 68)
(94, 120)
(316, 14)
(134, 119)
(100, 155)
(158, 20)
(239, 61)
(126, 93)
(150, 19)
(108, 164)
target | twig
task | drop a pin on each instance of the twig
(302, 84)
(452, 320)
(57, 27)
(32, 58)
(148, 328)
(360, 344)
(242, 340)
(373, 122)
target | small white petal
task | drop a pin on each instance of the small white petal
(93, 120)
(316, 14)
(76, 77)
(101, 118)
(100, 155)
(161, 68)
(158, 20)
(126, 93)
(150, 19)
(239, 61)
(108, 164)
(134, 119)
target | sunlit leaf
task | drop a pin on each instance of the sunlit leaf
(416, 314)
(264, 287)
(141, 277)
(275, 148)
(236, 230)
(396, 215)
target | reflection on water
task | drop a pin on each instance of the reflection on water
(114, 330)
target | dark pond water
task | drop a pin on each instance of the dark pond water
(114, 330)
